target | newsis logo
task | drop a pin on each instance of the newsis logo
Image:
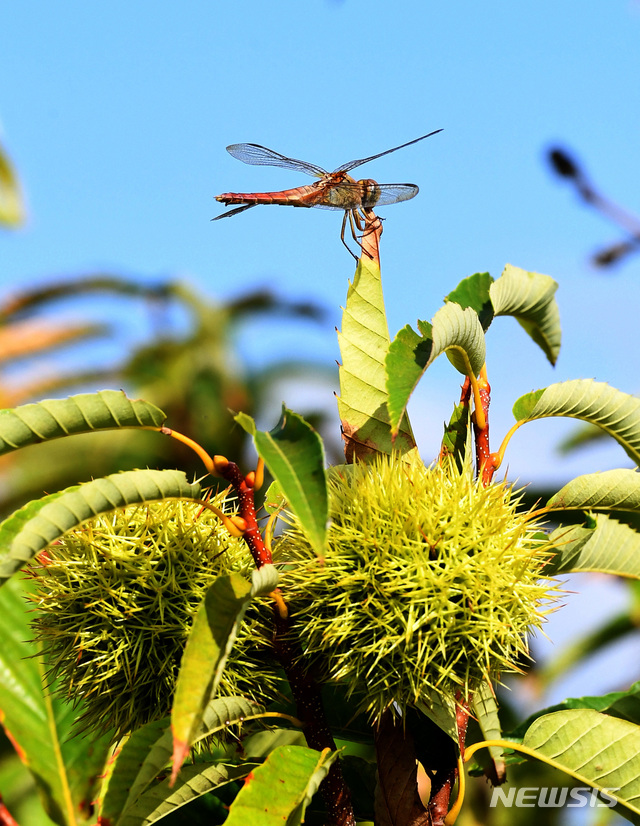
(547, 797)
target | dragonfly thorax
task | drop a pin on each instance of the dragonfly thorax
(370, 192)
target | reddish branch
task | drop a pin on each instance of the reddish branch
(5, 815)
(304, 689)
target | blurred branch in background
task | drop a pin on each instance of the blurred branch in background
(187, 363)
(566, 166)
(12, 207)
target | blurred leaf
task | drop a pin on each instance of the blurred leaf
(30, 299)
(30, 529)
(296, 772)
(65, 767)
(615, 412)
(55, 418)
(24, 339)
(582, 436)
(453, 330)
(214, 631)
(364, 343)
(530, 298)
(12, 209)
(578, 650)
(294, 455)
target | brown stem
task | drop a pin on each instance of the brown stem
(305, 691)
(484, 462)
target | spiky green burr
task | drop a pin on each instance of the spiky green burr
(116, 601)
(430, 583)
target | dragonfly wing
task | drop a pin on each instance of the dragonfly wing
(352, 164)
(253, 153)
(393, 193)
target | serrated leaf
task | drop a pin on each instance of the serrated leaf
(453, 330)
(607, 490)
(595, 749)
(54, 418)
(147, 753)
(40, 522)
(530, 298)
(65, 767)
(294, 454)
(12, 209)
(611, 547)
(296, 772)
(162, 799)
(364, 343)
(622, 704)
(212, 635)
(455, 441)
(474, 292)
(485, 710)
(592, 401)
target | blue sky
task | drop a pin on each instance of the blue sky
(117, 116)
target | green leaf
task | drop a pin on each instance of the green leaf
(453, 330)
(595, 749)
(65, 767)
(474, 292)
(294, 454)
(12, 209)
(622, 704)
(530, 298)
(485, 710)
(607, 490)
(55, 418)
(455, 441)
(364, 343)
(212, 635)
(194, 781)
(615, 412)
(30, 529)
(147, 752)
(611, 547)
(296, 772)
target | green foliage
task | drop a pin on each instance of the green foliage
(296, 773)
(407, 589)
(294, 454)
(40, 723)
(41, 522)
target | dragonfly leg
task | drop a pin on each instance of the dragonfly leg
(347, 213)
(359, 221)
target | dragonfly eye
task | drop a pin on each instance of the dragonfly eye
(370, 192)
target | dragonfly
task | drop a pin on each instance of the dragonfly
(333, 190)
